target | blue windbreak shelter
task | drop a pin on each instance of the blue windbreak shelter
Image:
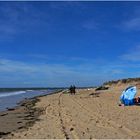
(128, 95)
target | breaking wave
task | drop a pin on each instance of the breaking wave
(11, 93)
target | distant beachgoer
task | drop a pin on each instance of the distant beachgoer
(74, 89)
(71, 89)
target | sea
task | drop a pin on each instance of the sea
(9, 99)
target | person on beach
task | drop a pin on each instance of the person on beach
(128, 97)
(70, 89)
(135, 101)
(74, 89)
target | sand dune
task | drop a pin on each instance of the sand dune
(84, 115)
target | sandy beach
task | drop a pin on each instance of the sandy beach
(89, 114)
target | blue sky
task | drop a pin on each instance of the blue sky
(64, 43)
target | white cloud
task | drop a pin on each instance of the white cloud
(132, 55)
(20, 73)
(52, 74)
(132, 24)
(19, 17)
(47, 74)
(90, 25)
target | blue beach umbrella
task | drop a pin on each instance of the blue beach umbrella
(128, 95)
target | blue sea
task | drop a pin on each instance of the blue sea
(10, 99)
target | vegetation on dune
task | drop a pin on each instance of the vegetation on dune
(124, 81)
(102, 88)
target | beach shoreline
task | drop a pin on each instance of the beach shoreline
(22, 116)
(89, 114)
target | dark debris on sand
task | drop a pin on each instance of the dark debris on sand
(20, 117)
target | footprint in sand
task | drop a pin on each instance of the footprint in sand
(71, 129)
(83, 133)
(4, 114)
(19, 122)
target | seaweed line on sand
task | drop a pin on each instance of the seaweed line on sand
(31, 114)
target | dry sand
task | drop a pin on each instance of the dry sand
(84, 116)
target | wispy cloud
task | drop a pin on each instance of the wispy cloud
(132, 55)
(67, 5)
(24, 73)
(19, 17)
(132, 24)
(39, 74)
(90, 25)
(45, 74)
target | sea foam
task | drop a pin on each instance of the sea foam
(6, 94)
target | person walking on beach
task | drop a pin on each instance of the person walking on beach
(74, 89)
(70, 89)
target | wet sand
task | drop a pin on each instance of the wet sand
(19, 118)
(89, 114)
